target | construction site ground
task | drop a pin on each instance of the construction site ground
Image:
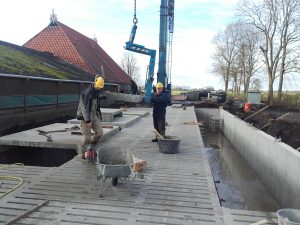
(286, 128)
(176, 189)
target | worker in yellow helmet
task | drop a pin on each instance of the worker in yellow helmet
(160, 100)
(90, 114)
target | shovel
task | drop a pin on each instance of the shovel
(158, 135)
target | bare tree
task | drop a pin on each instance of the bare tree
(264, 16)
(248, 56)
(225, 54)
(130, 65)
(278, 22)
(219, 68)
(237, 56)
(236, 77)
(290, 34)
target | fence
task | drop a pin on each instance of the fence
(18, 91)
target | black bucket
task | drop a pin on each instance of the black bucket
(169, 145)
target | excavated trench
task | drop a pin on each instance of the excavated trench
(237, 184)
(47, 157)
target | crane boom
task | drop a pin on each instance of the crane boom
(149, 77)
(162, 73)
(165, 32)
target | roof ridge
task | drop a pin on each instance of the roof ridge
(65, 28)
(78, 49)
(85, 58)
(74, 47)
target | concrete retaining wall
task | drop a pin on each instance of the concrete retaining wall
(277, 164)
(203, 114)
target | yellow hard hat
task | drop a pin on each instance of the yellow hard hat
(99, 82)
(159, 85)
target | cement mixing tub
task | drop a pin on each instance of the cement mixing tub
(288, 217)
(169, 145)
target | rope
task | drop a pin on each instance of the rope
(11, 178)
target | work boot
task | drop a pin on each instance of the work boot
(114, 181)
(154, 140)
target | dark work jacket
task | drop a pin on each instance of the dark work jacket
(86, 103)
(160, 102)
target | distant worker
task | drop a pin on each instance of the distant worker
(160, 100)
(89, 113)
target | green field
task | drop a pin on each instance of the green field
(291, 98)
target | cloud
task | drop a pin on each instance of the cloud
(196, 22)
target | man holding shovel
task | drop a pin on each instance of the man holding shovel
(160, 100)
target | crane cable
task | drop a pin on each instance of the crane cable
(135, 20)
(11, 178)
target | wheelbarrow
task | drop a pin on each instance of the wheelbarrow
(107, 173)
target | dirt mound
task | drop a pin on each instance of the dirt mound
(287, 129)
(281, 122)
(289, 133)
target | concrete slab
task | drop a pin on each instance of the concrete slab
(122, 122)
(141, 112)
(26, 173)
(32, 138)
(177, 189)
(109, 114)
(74, 121)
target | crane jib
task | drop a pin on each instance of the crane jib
(165, 47)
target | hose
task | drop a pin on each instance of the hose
(11, 178)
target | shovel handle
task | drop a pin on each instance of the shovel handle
(158, 135)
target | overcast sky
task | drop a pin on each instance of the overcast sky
(196, 22)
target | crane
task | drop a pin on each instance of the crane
(165, 48)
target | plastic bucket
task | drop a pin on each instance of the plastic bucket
(288, 216)
(169, 145)
(247, 106)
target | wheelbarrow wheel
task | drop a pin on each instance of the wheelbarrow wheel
(114, 181)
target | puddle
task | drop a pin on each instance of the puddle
(237, 185)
